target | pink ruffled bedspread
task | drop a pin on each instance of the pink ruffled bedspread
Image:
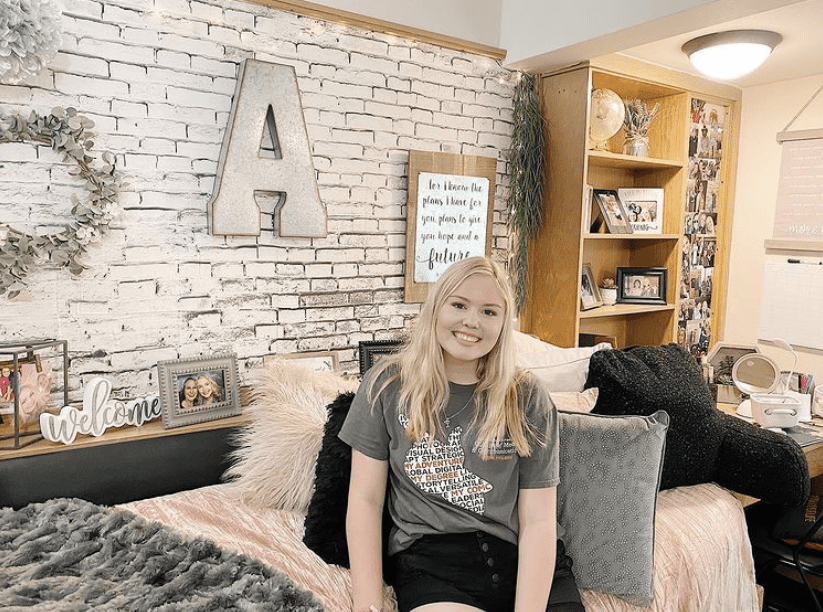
(702, 560)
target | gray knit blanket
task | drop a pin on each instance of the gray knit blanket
(72, 555)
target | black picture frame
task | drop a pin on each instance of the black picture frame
(612, 211)
(642, 285)
(370, 352)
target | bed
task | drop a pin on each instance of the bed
(694, 525)
(253, 526)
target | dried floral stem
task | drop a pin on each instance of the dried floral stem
(638, 118)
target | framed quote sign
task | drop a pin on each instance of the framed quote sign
(450, 213)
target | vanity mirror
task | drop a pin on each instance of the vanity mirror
(758, 376)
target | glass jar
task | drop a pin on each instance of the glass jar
(636, 145)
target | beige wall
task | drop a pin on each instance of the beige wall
(767, 109)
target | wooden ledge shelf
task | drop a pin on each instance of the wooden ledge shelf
(619, 160)
(621, 310)
(127, 433)
(590, 236)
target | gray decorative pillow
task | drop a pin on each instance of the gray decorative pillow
(610, 470)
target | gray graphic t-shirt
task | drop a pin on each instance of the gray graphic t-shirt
(444, 486)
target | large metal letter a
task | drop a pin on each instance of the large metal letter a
(266, 90)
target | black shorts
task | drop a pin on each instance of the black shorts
(477, 569)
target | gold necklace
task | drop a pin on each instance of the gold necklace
(448, 419)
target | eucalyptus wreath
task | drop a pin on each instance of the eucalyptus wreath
(29, 37)
(69, 135)
(526, 157)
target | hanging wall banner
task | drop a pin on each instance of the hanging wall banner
(799, 209)
(451, 207)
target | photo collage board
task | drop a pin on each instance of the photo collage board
(700, 221)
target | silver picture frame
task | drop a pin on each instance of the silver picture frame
(217, 380)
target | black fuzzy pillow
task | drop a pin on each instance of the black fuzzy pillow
(703, 444)
(325, 524)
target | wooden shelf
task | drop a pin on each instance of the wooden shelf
(564, 244)
(128, 433)
(590, 236)
(607, 159)
(622, 310)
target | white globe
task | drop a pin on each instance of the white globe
(607, 114)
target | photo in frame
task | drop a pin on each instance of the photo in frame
(641, 285)
(370, 352)
(644, 207)
(589, 292)
(32, 379)
(612, 211)
(198, 389)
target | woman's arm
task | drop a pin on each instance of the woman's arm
(364, 520)
(537, 548)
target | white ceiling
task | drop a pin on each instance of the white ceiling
(800, 54)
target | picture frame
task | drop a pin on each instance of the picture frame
(370, 352)
(644, 207)
(317, 361)
(215, 395)
(450, 215)
(589, 292)
(612, 211)
(641, 285)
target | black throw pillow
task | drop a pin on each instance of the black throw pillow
(325, 524)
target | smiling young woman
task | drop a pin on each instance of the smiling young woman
(465, 445)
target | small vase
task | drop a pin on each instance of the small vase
(609, 295)
(636, 145)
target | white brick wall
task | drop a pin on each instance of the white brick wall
(157, 77)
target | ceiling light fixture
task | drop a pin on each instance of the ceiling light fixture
(730, 55)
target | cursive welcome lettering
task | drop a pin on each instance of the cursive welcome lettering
(98, 414)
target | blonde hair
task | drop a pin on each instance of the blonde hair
(424, 387)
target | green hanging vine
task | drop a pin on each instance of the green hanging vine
(526, 159)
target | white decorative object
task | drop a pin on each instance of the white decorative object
(98, 414)
(29, 37)
(607, 114)
(266, 101)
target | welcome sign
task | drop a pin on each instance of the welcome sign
(98, 414)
